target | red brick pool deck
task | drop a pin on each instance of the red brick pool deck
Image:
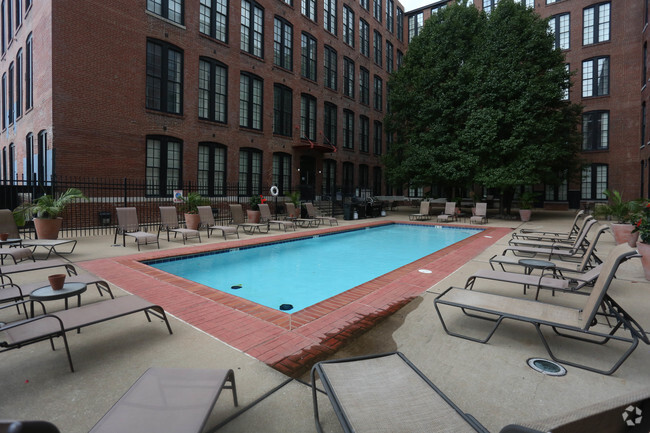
(291, 343)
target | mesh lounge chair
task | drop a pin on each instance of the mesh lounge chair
(48, 326)
(580, 264)
(480, 214)
(237, 213)
(207, 221)
(302, 222)
(387, 393)
(449, 214)
(557, 242)
(127, 225)
(169, 223)
(541, 234)
(578, 324)
(268, 219)
(8, 225)
(423, 214)
(311, 211)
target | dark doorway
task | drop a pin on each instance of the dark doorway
(307, 177)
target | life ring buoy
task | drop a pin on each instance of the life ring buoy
(275, 191)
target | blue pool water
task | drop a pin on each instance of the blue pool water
(307, 271)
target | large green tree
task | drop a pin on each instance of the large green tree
(479, 99)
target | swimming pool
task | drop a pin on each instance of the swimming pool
(303, 272)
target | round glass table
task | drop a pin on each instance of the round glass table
(46, 293)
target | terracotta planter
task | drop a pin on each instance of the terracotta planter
(634, 237)
(644, 250)
(47, 228)
(4, 236)
(253, 216)
(622, 232)
(192, 221)
(525, 214)
(56, 281)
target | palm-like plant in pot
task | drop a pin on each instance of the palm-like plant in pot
(190, 208)
(526, 205)
(623, 214)
(47, 210)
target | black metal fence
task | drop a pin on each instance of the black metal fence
(97, 216)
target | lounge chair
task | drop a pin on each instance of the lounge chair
(169, 223)
(48, 326)
(423, 214)
(577, 323)
(13, 242)
(541, 234)
(449, 213)
(50, 245)
(268, 219)
(558, 242)
(311, 211)
(302, 222)
(580, 263)
(237, 213)
(127, 225)
(171, 400)
(207, 221)
(387, 393)
(480, 214)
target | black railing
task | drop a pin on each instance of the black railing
(96, 216)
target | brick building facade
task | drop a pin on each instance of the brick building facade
(211, 91)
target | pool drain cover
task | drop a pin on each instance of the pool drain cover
(547, 367)
(424, 271)
(286, 307)
(236, 286)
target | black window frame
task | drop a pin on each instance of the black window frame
(364, 134)
(348, 129)
(282, 43)
(164, 188)
(250, 182)
(308, 116)
(250, 102)
(164, 10)
(364, 38)
(282, 110)
(308, 56)
(330, 68)
(593, 182)
(378, 93)
(349, 72)
(308, 9)
(597, 37)
(555, 25)
(330, 16)
(593, 136)
(597, 88)
(281, 172)
(330, 124)
(378, 136)
(250, 47)
(212, 91)
(215, 15)
(165, 49)
(364, 86)
(349, 24)
(215, 185)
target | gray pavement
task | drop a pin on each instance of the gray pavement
(490, 381)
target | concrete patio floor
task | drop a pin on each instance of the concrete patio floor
(491, 381)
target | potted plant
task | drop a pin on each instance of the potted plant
(47, 210)
(190, 208)
(526, 205)
(642, 227)
(622, 214)
(253, 214)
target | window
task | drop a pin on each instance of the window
(390, 21)
(213, 90)
(643, 123)
(164, 77)
(376, 181)
(377, 94)
(595, 77)
(377, 10)
(330, 124)
(594, 182)
(389, 57)
(644, 66)
(19, 13)
(415, 24)
(163, 171)
(364, 4)
(348, 77)
(400, 24)
(596, 21)
(348, 129)
(528, 3)
(29, 73)
(2, 26)
(212, 169)
(252, 28)
(307, 117)
(376, 45)
(364, 86)
(29, 158)
(348, 177)
(378, 135)
(213, 19)
(364, 132)
(170, 9)
(10, 26)
(250, 172)
(364, 38)
(5, 115)
(595, 130)
(308, 56)
(250, 101)
(329, 177)
(12, 163)
(329, 16)
(10, 98)
(19, 84)
(42, 160)
(559, 26)
(282, 110)
(329, 63)
(489, 4)
(557, 192)
(282, 172)
(438, 8)
(282, 43)
(348, 25)
(567, 84)
(308, 9)
(363, 176)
